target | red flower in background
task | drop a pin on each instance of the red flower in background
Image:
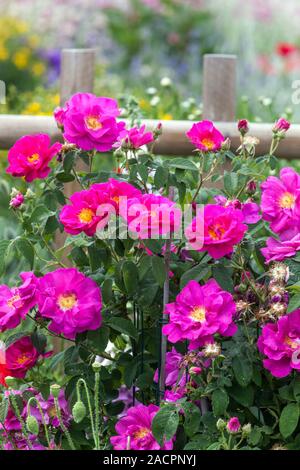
(284, 49)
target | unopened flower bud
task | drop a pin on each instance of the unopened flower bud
(226, 144)
(281, 126)
(251, 187)
(195, 370)
(55, 389)
(243, 126)
(96, 366)
(32, 425)
(157, 131)
(221, 425)
(233, 425)
(17, 200)
(29, 194)
(11, 382)
(246, 429)
(79, 411)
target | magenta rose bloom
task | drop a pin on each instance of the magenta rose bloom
(135, 138)
(115, 190)
(71, 301)
(90, 122)
(82, 214)
(217, 230)
(280, 201)
(137, 425)
(22, 356)
(199, 312)
(151, 216)
(280, 343)
(15, 303)
(233, 425)
(285, 247)
(205, 136)
(30, 157)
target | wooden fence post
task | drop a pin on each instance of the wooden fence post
(219, 91)
(219, 87)
(77, 72)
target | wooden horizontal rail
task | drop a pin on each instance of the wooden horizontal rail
(172, 142)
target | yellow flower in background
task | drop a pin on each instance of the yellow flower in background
(56, 99)
(144, 104)
(33, 41)
(4, 54)
(33, 108)
(165, 116)
(21, 58)
(38, 69)
(20, 26)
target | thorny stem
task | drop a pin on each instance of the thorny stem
(80, 382)
(97, 421)
(61, 423)
(34, 399)
(18, 415)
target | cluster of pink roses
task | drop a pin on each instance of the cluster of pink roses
(89, 122)
(69, 299)
(147, 215)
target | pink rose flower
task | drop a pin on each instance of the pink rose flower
(280, 201)
(15, 303)
(233, 425)
(285, 247)
(205, 136)
(21, 356)
(280, 343)
(137, 425)
(151, 216)
(71, 301)
(217, 230)
(90, 122)
(30, 157)
(135, 138)
(82, 214)
(199, 312)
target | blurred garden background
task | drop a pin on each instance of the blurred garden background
(141, 42)
(151, 50)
